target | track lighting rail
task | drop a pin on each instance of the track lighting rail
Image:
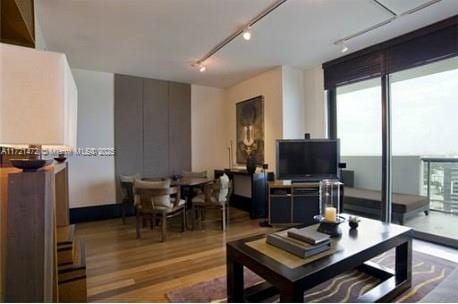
(240, 31)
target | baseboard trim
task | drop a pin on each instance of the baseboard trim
(97, 213)
(437, 239)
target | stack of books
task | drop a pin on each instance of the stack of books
(304, 242)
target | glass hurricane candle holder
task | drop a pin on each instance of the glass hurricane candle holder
(330, 200)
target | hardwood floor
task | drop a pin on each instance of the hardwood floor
(122, 268)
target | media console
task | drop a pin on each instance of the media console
(295, 203)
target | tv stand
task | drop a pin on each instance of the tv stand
(293, 203)
(305, 181)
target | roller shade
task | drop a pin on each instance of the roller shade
(432, 43)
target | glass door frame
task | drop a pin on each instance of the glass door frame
(386, 187)
(331, 99)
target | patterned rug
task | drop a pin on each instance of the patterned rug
(428, 272)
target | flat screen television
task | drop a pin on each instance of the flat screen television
(308, 159)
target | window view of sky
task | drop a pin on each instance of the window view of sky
(424, 117)
(359, 122)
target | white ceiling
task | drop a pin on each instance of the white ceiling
(161, 38)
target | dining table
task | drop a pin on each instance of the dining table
(187, 185)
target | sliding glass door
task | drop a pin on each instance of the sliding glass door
(359, 128)
(415, 172)
(424, 107)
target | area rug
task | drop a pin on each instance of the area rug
(428, 271)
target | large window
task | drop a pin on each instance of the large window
(425, 110)
(423, 107)
(359, 128)
(424, 104)
(404, 147)
(359, 123)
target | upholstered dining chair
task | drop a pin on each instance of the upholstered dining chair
(127, 183)
(216, 196)
(157, 200)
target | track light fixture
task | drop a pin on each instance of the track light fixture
(200, 66)
(246, 34)
(244, 31)
(344, 48)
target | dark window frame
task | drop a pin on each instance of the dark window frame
(429, 44)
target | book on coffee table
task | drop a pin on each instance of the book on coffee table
(309, 235)
(299, 248)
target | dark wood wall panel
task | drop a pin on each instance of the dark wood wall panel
(179, 127)
(128, 108)
(152, 127)
(155, 128)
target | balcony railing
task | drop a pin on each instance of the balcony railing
(440, 183)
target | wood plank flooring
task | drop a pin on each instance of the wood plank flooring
(121, 268)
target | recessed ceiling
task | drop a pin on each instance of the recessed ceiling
(161, 38)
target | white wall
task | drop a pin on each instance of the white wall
(40, 42)
(268, 84)
(92, 178)
(209, 132)
(315, 105)
(293, 103)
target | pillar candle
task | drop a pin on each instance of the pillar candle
(330, 214)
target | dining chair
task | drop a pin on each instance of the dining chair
(126, 182)
(216, 196)
(158, 201)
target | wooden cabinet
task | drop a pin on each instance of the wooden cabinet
(37, 209)
(30, 270)
(280, 209)
(293, 203)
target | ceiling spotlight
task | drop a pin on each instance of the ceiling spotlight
(246, 34)
(202, 68)
(344, 47)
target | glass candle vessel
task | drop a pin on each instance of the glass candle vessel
(330, 195)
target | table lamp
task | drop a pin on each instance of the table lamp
(38, 102)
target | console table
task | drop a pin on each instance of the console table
(249, 190)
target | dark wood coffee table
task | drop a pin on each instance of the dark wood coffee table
(357, 247)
